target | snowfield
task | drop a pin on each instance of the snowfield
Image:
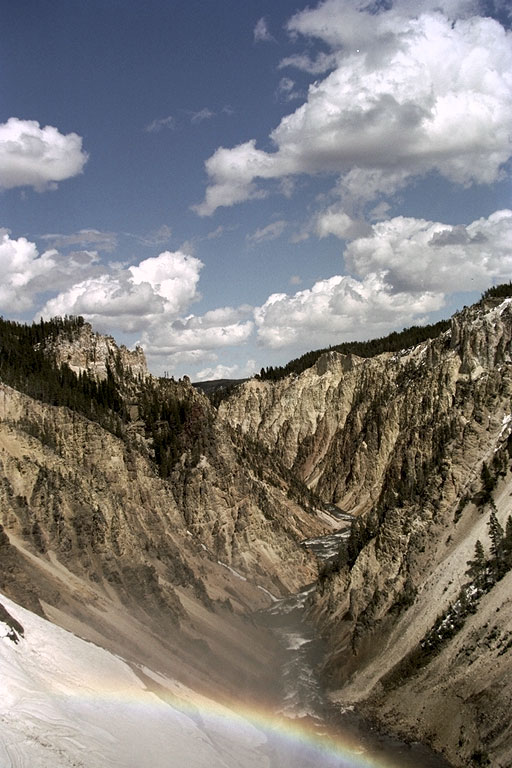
(66, 703)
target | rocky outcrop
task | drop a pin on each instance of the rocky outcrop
(84, 350)
(339, 424)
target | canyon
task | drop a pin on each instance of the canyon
(158, 526)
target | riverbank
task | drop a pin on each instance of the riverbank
(305, 701)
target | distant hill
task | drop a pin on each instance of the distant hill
(213, 385)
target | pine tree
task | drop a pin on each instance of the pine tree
(477, 568)
(507, 543)
(497, 536)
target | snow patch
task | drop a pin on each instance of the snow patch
(65, 702)
(235, 573)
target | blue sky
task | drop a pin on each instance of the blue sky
(231, 183)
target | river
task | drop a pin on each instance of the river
(303, 700)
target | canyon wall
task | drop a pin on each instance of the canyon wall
(417, 446)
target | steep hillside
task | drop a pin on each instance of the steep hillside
(417, 445)
(129, 512)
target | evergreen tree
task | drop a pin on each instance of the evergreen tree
(497, 537)
(477, 568)
(507, 543)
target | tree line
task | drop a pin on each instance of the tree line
(393, 342)
(27, 366)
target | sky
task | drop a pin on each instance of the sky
(231, 184)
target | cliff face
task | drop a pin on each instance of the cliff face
(94, 353)
(350, 427)
(400, 440)
(93, 538)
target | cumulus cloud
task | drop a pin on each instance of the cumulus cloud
(340, 308)
(134, 298)
(337, 222)
(221, 371)
(352, 25)
(151, 299)
(233, 172)
(173, 276)
(193, 340)
(270, 232)
(422, 255)
(21, 264)
(31, 156)
(404, 268)
(387, 112)
(223, 327)
(107, 302)
(26, 273)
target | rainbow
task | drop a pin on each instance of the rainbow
(285, 742)
(64, 694)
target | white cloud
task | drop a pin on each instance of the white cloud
(31, 156)
(107, 302)
(215, 233)
(163, 122)
(132, 299)
(353, 25)
(227, 372)
(101, 241)
(26, 273)
(158, 237)
(172, 276)
(340, 309)
(388, 112)
(336, 222)
(201, 115)
(421, 255)
(287, 90)
(234, 171)
(323, 62)
(192, 334)
(380, 211)
(261, 32)
(21, 264)
(270, 232)
(405, 267)
(150, 299)
(193, 340)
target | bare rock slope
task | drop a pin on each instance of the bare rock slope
(95, 538)
(417, 445)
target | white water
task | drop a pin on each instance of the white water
(302, 695)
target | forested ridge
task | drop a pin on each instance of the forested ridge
(393, 342)
(26, 365)
(171, 421)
